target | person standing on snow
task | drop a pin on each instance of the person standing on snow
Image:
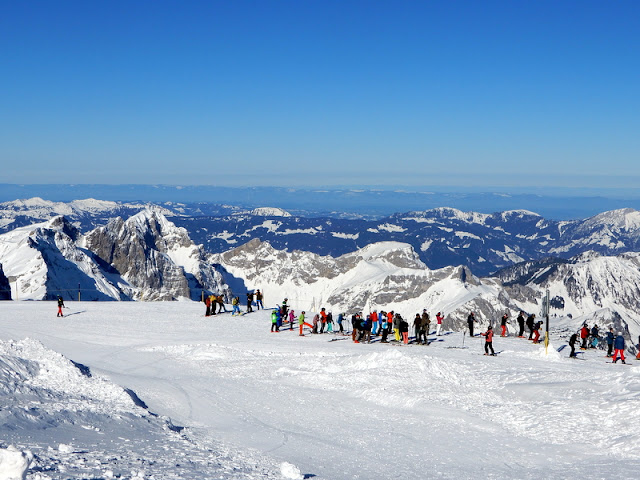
(426, 320)
(207, 302)
(572, 343)
(329, 322)
(259, 304)
(235, 303)
(403, 328)
(323, 317)
(213, 303)
(595, 336)
(354, 326)
(301, 323)
(536, 332)
(366, 329)
(618, 345)
(521, 324)
(396, 326)
(60, 306)
(417, 326)
(531, 323)
(220, 302)
(340, 320)
(610, 338)
(249, 302)
(274, 321)
(584, 335)
(439, 318)
(488, 344)
(470, 320)
(503, 325)
(385, 327)
(375, 326)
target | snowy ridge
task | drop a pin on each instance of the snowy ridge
(390, 275)
(387, 275)
(146, 257)
(269, 212)
(442, 236)
(44, 261)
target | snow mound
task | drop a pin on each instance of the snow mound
(290, 471)
(15, 463)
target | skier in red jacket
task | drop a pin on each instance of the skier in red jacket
(488, 344)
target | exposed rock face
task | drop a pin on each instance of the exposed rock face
(5, 287)
(156, 257)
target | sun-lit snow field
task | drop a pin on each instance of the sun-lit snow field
(256, 404)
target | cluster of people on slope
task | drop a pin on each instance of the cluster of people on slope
(217, 301)
(532, 325)
(212, 303)
(590, 338)
(384, 323)
(376, 323)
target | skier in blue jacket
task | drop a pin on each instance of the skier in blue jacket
(610, 338)
(618, 345)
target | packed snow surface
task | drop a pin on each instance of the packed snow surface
(256, 404)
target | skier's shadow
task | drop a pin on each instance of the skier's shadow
(309, 475)
(74, 313)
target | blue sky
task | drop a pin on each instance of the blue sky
(298, 92)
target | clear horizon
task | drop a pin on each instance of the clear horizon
(292, 93)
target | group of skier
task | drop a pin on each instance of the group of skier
(213, 301)
(382, 324)
(590, 338)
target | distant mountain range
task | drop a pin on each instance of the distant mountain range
(442, 237)
(350, 202)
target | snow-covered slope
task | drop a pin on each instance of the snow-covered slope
(260, 405)
(69, 423)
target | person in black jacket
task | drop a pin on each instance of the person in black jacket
(521, 324)
(403, 327)
(60, 306)
(610, 338)
(531, 323)
(572, 343)
(470, 319)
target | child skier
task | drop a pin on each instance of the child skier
(60, 306)
(488, 344)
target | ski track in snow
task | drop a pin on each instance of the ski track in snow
(252, 400)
